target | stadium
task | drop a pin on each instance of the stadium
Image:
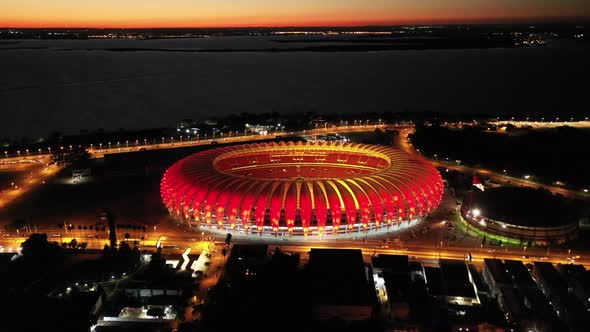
(301, 189)
(525, 214)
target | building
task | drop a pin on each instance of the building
(527, 309)
(482, 288)
(391, 274)
(551, 283)
(458, 283)
(521, 278)
(434, 282)
(346, 295)
(301, 189)
(495, 274)
(520, 213)
(245, 260)
(581, 287)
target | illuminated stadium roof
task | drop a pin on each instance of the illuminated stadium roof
(301, 188)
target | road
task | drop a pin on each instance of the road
(545, 124)
(405, 145)
(21, 177)
(427, 247)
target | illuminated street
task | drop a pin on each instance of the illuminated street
(20, 178)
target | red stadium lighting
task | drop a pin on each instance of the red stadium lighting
(301, 188)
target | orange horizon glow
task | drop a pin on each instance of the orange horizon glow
(287, 13)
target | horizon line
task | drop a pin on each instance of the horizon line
(552, 20)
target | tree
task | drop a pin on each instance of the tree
(40, 254)
(109, 217)
(64, 156)
(15, 225)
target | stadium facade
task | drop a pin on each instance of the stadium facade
(301, 189)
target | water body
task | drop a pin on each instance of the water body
(73, 85)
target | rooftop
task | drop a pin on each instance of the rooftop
(398, 264)
(497, 269)
(520, 275)
(456, 278)
(524, 206)
(344, 272)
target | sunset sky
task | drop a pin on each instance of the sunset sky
(239, 13)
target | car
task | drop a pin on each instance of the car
(213, 142)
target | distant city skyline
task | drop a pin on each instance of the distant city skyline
(264, 13)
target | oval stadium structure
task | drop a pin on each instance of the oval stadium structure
(301, 189)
